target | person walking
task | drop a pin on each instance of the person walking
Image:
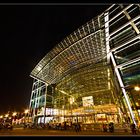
(65, 126)
(78, 127)
(105, 127)
(133, 129)
(111, 127)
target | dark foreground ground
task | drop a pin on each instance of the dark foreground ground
(41, 132)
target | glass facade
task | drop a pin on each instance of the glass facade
(90, 75)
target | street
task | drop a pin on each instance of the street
(44, 132)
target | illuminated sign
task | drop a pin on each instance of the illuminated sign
(55, 112)
(88, 101)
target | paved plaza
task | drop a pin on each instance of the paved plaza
(44, 132)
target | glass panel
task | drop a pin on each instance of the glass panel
(128, 53)
(131, 74)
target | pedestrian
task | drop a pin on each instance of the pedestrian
(105, 127)
(65, 126)
(59, 126)
(111, 127)
(70, 125)
(76, 127)
(133, 128)
(128, 119)
(24, 125)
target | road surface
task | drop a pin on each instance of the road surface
(44, 132)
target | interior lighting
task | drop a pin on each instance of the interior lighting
(137, 88)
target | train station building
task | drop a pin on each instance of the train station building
(93, 75)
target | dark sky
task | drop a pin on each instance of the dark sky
(27, 33)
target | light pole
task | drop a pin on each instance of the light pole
(1, 118)
(6, 118)
(71, 100)
(26, 115)
(14, 114)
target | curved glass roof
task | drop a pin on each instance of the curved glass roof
(83, 47)
(78, 67)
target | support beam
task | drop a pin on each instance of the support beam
(110, 56)
(123, 89)
(131, 22)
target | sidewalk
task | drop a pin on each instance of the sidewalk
(92, 133)
(44, 132)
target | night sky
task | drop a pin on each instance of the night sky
(27, 33)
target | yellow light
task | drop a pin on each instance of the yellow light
(1, 116)
(14, 114)
(6, 115)
(26, 111)
(71, 100)
(137, 88)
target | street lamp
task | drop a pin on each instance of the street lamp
(13, 118)
(6, 115)
(1, 118)
(26, 111)
(14, 114)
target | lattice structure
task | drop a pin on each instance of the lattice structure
(96, 66)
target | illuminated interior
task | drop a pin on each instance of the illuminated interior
(90, 75)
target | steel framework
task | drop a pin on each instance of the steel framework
(100, 59)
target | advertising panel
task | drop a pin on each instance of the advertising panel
(87, 101)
